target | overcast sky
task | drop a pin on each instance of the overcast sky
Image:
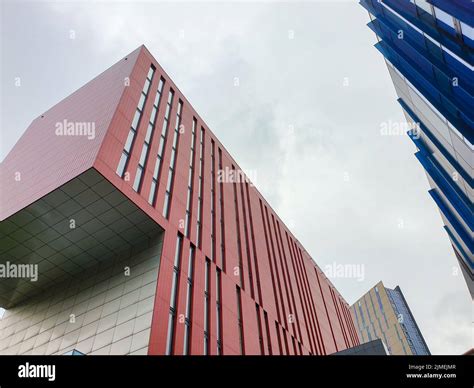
(305, 117)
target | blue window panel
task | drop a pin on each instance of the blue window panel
(455, 196)
(460, 249)
(423, 48)
(453, 221)
(437, 143)
(458, 8)
(459, 119)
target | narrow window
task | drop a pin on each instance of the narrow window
(187, 217)
(125, 157)
(207, 273)
(237, 223)
(189, 302)
(148, 137)
(159, 156)
(259, 327)
(200, 189)
(218, 311)
(174, 296)
(213, 203)
(267, 329)
(221, 204)
(174, 150)
(239, 320)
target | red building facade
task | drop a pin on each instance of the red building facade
(232, 278)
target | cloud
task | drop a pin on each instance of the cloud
(306, 116)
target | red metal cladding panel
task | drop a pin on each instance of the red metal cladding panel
(206, 196)
(352, 325)
(230, 219)
(347, 322)
(326, 319)
(196, 346)
(336, 323)
(277, 272)
(339, 325)
(181, 301)
(297, 316)
(333, 318)
(159, 324)
(178, 204)
(261, 328)
(230, 330)
(295, 292)
(212, 310)
(249, 319)
(288, 343)
(243, 241)
(275, 338)
(180, 315)
(184, 171)
(197, 312)
(46, 156)
(268, 264)
(310, 318)
(179, 192)
(268, 294)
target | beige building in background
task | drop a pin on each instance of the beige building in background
(384, 313)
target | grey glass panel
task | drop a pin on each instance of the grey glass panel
(141, 102)
(157, 99)
(121, 165)
(149, 131)
(143, 155)
(161, 146)
(135, 120)
(128, 143)
(150, 73)
(153, 115)
(151, 197)
(146, 87)
(157, 168)
(138, 177)
(164, 127)
(170, 180)
(175, 140)
(166, 204)
(173, 156)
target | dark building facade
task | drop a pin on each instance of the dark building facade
(143, 245)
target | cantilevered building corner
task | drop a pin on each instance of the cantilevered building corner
(112, 195)
(428, 47)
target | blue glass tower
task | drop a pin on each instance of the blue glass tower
(407, 321)
(428, 47)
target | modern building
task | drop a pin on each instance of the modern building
(120, 234)
(428, 48)
(384, 313)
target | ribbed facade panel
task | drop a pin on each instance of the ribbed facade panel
(428, 48)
